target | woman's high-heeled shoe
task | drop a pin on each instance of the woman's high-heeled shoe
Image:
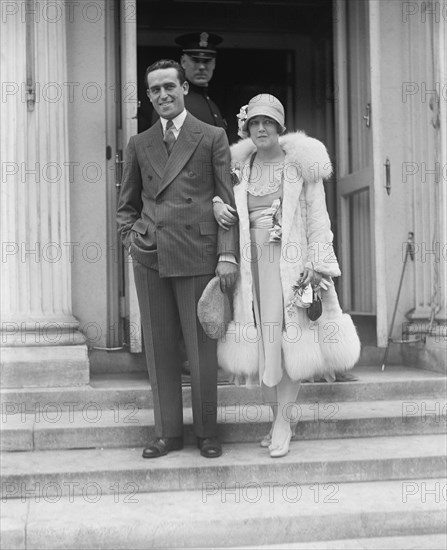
(276, 452)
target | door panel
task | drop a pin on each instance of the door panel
(360, 231)
(354, 156)
(129, 108)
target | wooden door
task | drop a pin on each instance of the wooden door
(354, 155)
(128, 128)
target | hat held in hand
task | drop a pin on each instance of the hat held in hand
(214, 310)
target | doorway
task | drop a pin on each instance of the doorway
(285, 49)
(355, 177)
(269, 72)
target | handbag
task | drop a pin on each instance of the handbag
(315, 309)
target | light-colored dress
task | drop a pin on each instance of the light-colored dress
(267, 297)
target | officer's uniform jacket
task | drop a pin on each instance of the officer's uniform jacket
(199, 104)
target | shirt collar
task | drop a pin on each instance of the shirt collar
(177, 121)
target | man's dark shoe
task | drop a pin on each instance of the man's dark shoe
(209, 447)
(162, 446)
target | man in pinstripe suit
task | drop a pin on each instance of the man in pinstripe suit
(171, 174)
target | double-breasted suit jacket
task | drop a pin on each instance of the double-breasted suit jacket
(165, 216)
(165, 209)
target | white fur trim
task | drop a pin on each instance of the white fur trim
(237, 351)
(302, 355)
(309, 154)
(331, 306)
(241, 151)
(340, 344)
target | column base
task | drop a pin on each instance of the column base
(428, 355)
(429, 350)
(44, 366)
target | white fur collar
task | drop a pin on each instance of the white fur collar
(309, 153)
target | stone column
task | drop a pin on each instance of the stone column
(428, 180)
(430, 171)
(440, 44)
(40, 340)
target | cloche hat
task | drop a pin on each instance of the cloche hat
(261, 104)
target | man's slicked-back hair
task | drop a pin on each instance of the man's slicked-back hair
(166, 64)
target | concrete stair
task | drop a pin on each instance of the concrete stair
(243, 422)
(366, 469)
(415, 542)
(107, 391)
(245, 517)
(319, 461)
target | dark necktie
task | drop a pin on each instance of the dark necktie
(169, 137)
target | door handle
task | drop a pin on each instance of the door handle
(118, 171)
(388, 176)
(367, 117)
(138, 106)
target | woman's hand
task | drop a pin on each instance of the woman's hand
(310, 276)
(225, 215)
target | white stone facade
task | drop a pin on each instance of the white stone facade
(59, 247)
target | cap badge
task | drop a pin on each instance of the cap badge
(204, 39)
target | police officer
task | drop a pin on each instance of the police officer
(199, 61)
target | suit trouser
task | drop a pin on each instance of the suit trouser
(166, 304)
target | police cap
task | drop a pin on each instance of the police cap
(199, 44)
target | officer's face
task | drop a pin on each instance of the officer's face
(166, 93)
(198, 71)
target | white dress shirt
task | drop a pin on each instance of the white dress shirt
(177, 121)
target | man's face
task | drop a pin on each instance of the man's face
(166, 93)
(198, 71)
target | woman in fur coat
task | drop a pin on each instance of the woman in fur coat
(285, 251)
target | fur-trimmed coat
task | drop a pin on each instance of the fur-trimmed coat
(310, 349)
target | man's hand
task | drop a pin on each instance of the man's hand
(227, 272)
(225, 215)
(132, 237)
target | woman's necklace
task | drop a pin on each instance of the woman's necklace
(266, 183)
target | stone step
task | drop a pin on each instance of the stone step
(107, 391)
(104, 362)
(57, 473)
(415, 542)
(132, 427)
(256, 516)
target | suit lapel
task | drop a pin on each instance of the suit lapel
(188, 139)
(156, 150)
